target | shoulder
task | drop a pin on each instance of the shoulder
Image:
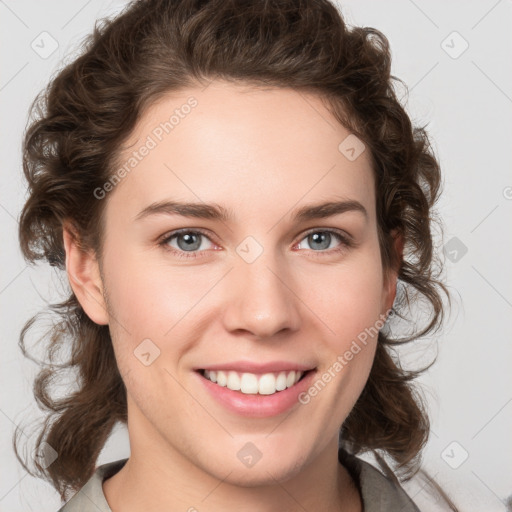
(90, 497)
(379, 493)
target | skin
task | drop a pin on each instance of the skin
(261, 154)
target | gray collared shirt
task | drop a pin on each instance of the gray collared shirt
(379, 493)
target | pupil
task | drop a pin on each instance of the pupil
(322, 237)
(191, 241)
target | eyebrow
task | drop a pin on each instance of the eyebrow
(215, 211)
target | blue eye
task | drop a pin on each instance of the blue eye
(323, 239)
(189, 243)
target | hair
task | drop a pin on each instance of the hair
(78, 126)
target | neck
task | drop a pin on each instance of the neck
(158, 477)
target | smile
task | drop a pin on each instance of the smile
(254, 384)
(256, 395)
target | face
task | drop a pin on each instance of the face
(276, 296)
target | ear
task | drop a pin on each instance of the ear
(391, 277)
(84, 277)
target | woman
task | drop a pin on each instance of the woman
(183, 171)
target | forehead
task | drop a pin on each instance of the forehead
(246, 145)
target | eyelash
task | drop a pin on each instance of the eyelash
(346, 242)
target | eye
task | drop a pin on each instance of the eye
(321, 240)
(185, 241)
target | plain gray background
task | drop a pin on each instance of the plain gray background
(456, 60)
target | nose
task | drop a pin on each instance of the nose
(261, 299)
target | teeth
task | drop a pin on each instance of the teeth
(290, 379)
(222, 379)
(281, 381)
(267, 384)
(249, 384)
(252, 384)
(233, 381)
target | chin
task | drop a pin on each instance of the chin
(260, 471)
(260, 475)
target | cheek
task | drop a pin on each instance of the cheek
(351, 309)
(153, 308)
(348, 300)
(150, 299)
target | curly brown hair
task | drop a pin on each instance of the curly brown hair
(90, 108)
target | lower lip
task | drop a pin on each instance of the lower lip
(258, 406)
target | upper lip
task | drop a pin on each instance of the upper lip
(252, 367)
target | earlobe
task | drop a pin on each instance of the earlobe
(84, 277)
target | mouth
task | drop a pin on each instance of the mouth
(255, 384)
(256, 395)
